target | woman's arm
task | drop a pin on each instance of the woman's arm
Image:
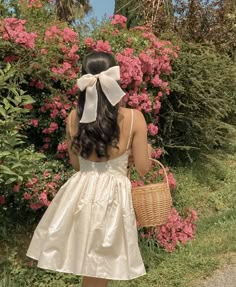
(71, 131)
(141, 150)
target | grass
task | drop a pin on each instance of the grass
(209, 188)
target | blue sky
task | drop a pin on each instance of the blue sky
(102, 7)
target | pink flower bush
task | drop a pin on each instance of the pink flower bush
(101, 46)
(119, 19)
(14, 29)
(90, 43)
(41, 189)
(176, 230)
(52, 63)
(130, 69)
(34, 4)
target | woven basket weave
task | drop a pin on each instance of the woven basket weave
(152, 202)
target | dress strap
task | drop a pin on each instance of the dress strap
(131, 127)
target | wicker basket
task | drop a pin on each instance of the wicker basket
(152, 202)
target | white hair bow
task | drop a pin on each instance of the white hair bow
(108, 80)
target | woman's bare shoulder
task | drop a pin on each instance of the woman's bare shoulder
(138, 116)
(73, 114)
(127, 111)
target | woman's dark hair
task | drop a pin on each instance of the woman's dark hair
(104, 131)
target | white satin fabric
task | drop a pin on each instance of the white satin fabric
(89, 228)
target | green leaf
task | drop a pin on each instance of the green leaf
(3, 112)
(11, 180)
(6, 103)
(4, 153)
(6, 170)
(16, 165)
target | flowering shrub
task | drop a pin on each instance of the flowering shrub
(46, 54)
(176, 230)
(16, 160)
(39, 191)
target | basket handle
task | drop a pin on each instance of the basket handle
(162, 166)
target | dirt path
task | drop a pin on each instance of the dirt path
(223, 277)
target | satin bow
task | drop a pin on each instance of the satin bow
(108, 80)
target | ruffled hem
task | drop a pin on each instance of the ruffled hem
(87, 274)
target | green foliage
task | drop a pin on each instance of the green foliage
(200, 21)
(212, 22)
(193, 118)
(132, 10)
(16, 160)
(71, 10)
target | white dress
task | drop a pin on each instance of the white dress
(89, 229)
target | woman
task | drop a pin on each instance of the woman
(90, 228)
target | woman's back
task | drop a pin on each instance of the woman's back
(132, 139)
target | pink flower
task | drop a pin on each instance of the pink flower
(15, 31)
(45, 146)
(39, 85)
(35, 180)
(28, 107)
(130, 69)
(69, 35)
(43, 198)
(63, 113)
(44, 51)
(171, 181)
(47, 140)
(73, 91)
(2, 199)
(157, 106)
(175, 230)
(16, 187)
(62, 147)
(156, 81)
(57, 177)
(103, 47)
(36, 206)
(119, 19)
(34, 122)
(134, 183)
(64, 67)
(194, 215)
(153, 130)
(51, 185)
(53, 127)
(27, 196)
(157, 153)
(34, 4)
(10, 59)
(140, 183)
(46, 174)
(54, 113)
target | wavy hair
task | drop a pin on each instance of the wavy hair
(104, 131)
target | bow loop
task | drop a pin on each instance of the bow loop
(108, 80)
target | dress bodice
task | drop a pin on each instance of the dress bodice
(116, 166)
